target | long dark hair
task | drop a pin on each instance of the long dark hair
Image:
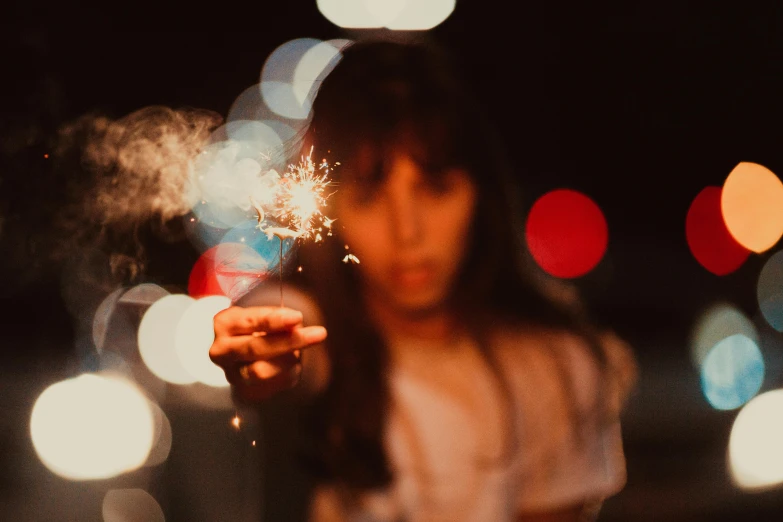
(379, 92)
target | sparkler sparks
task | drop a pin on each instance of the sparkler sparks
(296, 202)
(301, 194)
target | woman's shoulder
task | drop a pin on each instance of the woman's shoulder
(544, 358)
(525, 340)
(522, 340)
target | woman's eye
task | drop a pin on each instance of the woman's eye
(439, 184)
(364, 193)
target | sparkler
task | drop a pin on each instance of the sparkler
(300, 195)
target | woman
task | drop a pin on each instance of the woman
(457, 383)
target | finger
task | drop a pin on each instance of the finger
(238, 320)
(263, 379)
(249, 348)
(266, 370)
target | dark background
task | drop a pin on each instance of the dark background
(639, 106)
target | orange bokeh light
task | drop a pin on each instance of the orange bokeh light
(752, 206)
(566, 233)
(708, 238)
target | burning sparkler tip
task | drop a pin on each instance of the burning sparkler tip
(280, 232)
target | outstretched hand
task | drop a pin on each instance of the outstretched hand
(258, 347)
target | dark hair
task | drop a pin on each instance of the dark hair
(382, 92)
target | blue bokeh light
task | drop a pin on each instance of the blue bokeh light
(732, 373)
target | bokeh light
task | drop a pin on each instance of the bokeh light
(238, 268)
(144, 294)
(195, 333)
(200, 234)
(387, 11)
(248, 106)
(157, 338)
(234, 268)
(227, 174)
(756, 443)
(732, 373)
(92, 427)
(349, 14)
(162, 437)
(266, 246)
(260, 144)
(419, 16)
(277, 75)
(313, 66)
(292, 72)
(131, 505)
(202, 280)
(769, 291)
(708, 238)
(102, 318)
(716, 323)
(566, 233)
(752, 206)
(402, 15)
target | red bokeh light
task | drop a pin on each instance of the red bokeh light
(566, 233)
(708, 237)
(202, 280)
(224, 269)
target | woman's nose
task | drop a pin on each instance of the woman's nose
(404, 208)
(405, 216)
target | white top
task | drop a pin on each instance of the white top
(457, 455)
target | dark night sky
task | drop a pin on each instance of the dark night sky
(639, 106)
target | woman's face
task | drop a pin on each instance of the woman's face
(410, 230)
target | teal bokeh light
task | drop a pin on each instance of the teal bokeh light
(732, 373)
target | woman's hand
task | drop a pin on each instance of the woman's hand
(258, 348)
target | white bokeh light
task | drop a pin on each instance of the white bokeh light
(277, 76)
(385, 12)
(756, 443)
(102, 318)
(195, 333)
(162, 437)
(314, 64)
(131, 505)
(350, 14)
(157, 338)
(92, 427)
(144, 294)
(420, 16)
(399, 15)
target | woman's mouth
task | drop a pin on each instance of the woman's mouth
(413, 276)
